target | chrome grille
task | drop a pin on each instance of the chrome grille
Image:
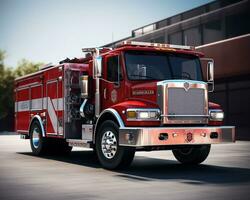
(182, 102)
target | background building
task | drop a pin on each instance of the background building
(221, 30)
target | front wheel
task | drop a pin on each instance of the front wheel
(109, 153)
(192, 155)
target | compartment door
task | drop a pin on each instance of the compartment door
(52, 108)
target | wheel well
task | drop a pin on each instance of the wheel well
(103, 118)
(38, 119)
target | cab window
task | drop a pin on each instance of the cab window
(112, 69)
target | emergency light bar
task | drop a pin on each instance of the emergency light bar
(148, 44)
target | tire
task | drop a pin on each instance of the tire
(111, 155)
(192, 155)
(38, 143)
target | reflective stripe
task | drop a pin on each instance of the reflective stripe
(52, 115)
(36, 104)
(43, 103)
(23, 106)
(40, 103)
(58, 104)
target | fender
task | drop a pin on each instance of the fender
(102, 116)
(39, 119)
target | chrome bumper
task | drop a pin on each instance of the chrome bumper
(163, 136)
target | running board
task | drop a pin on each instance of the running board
(80, 143)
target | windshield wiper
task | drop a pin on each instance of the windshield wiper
(184, 75)
(141, 76)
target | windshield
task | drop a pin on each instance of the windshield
(162, 66)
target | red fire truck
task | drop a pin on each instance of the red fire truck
(136, 96)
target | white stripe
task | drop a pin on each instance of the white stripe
(58, 104)
(43, 103)
(23, 106)
(37, 104)
(52, 115)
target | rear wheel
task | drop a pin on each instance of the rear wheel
(192, 155)
(41, 145)
(38, 143)
(109, 153)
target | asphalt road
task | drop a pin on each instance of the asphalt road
(153, 175)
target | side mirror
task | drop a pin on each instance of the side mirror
(210, 71)
(98, 67)
(210, 75)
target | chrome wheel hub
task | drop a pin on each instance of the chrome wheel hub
(109, 144)
(35, 137)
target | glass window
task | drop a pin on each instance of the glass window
(160, 39)
(212, 31)
(237, 25)
(175, 19)
(175, 38)
(162, 66)
(192, 36)
(193, 12)
(137, 32)
(112, 69)
(162, 23)
(148, 28)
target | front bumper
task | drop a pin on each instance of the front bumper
(164, 136)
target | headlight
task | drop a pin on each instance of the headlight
(216, 115)
(138, 114)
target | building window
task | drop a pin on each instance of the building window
(137, 32)
(212, 31)
(237, 25)
(192, 36)
(193, 13)
(175, 38)
(162, 23)
(148, 28)
(175, 19)
(160, 39)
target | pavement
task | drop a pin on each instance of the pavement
(153, 175)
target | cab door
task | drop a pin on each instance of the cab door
(112, 84)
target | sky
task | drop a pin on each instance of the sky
(51, 30)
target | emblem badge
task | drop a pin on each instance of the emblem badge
(189, 137)
(186, 86)
(114, 96)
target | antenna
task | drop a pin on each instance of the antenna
(113, 45)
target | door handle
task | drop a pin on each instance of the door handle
(104, 93)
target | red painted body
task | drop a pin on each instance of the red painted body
(45, 89)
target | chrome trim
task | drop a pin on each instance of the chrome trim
(82, 107)
(23, 87)
(209, 82)
(150, 136)
(22, 131)
(39, 121)
(109, 144)
(162, 99)
(185, 116)
(35, 73)
(114, 113)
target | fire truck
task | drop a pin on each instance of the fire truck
(136, 96)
